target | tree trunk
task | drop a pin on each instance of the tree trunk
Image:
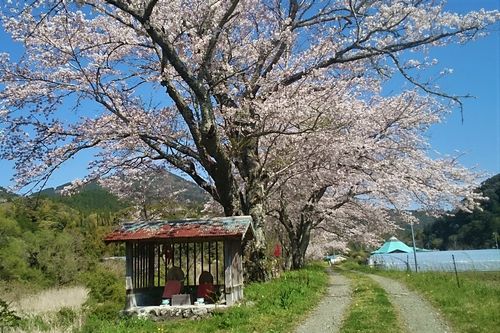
(252, 203)
(256, 265)
(299, 241)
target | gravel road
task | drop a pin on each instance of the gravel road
(327, 317)
(416, 313)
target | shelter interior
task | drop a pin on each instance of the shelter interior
(177, 267)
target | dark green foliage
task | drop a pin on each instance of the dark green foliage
(8, 317)
(92, 198)
(424, 221)
(66, 316)
(107, 294)
(48, 239)
(476, 230)
(45, 243)
(105, 286)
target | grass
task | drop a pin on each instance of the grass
(51, 310)
(64, 320)
(370, 310)
(52, 300)
(275, 306)
(472, 308)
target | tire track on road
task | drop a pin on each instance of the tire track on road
(417, 314)
(328, 316)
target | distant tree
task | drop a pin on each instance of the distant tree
(236, 75)
(476, 229)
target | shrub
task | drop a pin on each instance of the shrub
(105, 287)
(8, 317)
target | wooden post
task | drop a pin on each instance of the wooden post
(228, 256)
(456, 272)
(210, 257)
(131, 301)
(217, 262)
(233, 274)
(129, 272)
(158, 262)
(187, 263)
(202, 253)
(195, 263)
(151, 264)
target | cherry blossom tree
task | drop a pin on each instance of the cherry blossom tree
(194, 84)
(364, 158)
(145, 187)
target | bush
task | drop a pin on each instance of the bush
(8, 317)
(106, 297)
(66, 316)
(105, 287)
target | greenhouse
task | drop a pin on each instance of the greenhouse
(463, 260)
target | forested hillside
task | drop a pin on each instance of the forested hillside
(49, 239)
(476, 230)
(45, 242)
(5, 194)
(92, 197)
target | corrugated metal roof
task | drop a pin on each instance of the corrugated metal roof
(184, 230)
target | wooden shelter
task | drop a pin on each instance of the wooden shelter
(158, 251)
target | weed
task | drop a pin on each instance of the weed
(470, 308)
(371, 310)
(66, 316)
(8, 317)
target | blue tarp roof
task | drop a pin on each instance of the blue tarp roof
(393, 245)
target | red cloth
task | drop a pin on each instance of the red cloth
(277, 250)
(205, 290)
(173, 287)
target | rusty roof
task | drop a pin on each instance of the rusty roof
(184, 230)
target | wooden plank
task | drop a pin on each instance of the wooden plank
(233, 271)
(202, 253)
(210, 257)
(130, 301)
(135, 264)
(129, 268)
(195, 263)
(216, 262)
(228, 280)
(151, 254)
(158, 263)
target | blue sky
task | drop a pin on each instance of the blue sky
(476, 72)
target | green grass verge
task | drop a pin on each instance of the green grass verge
(275, 306)
(370, 310)
(472, 308)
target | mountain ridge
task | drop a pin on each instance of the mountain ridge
(93, 196)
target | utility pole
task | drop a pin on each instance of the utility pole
(414, 247)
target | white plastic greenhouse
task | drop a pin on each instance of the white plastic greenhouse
(465, 260)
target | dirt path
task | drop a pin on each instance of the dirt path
(327, 317)
(416, 313)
